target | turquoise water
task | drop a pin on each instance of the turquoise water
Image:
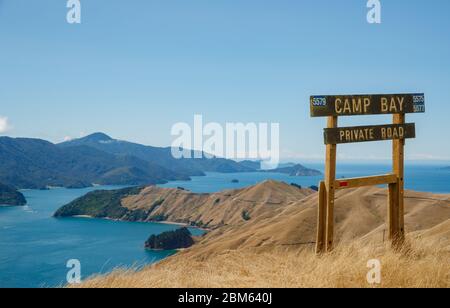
(34, 247)
(427, 178)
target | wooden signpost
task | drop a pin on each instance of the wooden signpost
(351, 105)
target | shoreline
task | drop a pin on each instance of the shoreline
(155, 222)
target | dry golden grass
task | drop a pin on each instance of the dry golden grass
(419, 265)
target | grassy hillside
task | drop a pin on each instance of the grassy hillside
(420, 266)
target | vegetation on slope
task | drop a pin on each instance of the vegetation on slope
(10, 196)
(102, 204)
(170, 240)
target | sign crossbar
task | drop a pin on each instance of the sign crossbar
(366, 181)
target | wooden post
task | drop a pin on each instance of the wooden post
(399, 170)
(393, 211)
(330, 179)
(321, 219)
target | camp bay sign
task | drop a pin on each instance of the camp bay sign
(350, 105)
(336, 106)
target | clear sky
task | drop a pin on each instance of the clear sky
(133, 68)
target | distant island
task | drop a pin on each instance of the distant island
(291, 169)
(296, 170)
(9, 196)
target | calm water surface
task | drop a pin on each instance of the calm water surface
(35, 248)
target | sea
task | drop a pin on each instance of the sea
(36, 249)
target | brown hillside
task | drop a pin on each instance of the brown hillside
(219, 209)
(280, 215)
(360, 214)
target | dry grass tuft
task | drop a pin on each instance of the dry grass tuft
(419, 265)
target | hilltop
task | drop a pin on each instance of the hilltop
(279, 236)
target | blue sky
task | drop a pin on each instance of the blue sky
(134, 68)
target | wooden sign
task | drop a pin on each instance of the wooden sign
(350, 105)
(369, 133)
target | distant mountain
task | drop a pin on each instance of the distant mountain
(34, 163)
(10, 196)
(99, 159)
(297, 170)
(160, 156)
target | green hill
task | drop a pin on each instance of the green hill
(34, 163)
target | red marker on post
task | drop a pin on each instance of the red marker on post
(343, 184)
